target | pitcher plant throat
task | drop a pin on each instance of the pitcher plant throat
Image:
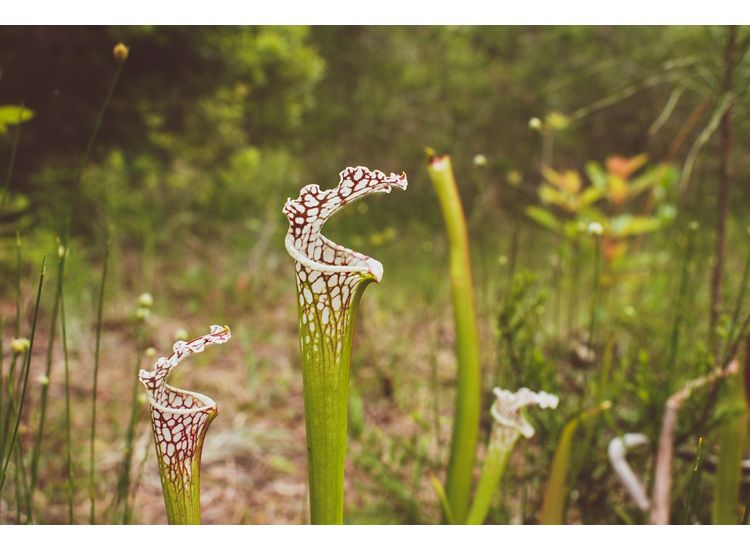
(180, 419)
(330, 282)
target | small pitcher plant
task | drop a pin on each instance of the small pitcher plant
(508, 426)
(180, 419)
(330, 283)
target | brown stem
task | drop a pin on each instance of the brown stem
(660, 496)
(725, 181)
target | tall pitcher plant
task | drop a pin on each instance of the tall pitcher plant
(180, 419)
(330, 283)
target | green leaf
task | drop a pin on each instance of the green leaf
(543, 218)
(443, 498)
(13, 114)
(596, 175)
(591, 195)
(628, 226)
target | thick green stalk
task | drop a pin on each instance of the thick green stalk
(468, 391)
(330, 283)
(180, 420)
(326, 358)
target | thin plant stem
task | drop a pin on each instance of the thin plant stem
(36, 453)
(725, 181)
(68, 423)
(737, 307)
(2, 380)
(25, 371)
(92, 475)
(22, 488)
(674, 341)
(123, 485)
(18, 284)
(693, 479)
(97, 125)
(594, 306)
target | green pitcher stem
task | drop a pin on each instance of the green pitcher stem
(492, 473)
(325, 371)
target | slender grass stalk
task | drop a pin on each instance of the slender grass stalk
(123, 482)
(180, 419)
(330, 283)
(674, 341)
(556, 490)
(92, 438)
(468, 391)
(36, 453)
(693, 479)
(22, 486)
(2, 379)
(16, 352)
(70, 481)
(733, 324)
(120, 54)
(732, 438)
(508, 426)
(18, 284)
(25, 374)
(594, 229)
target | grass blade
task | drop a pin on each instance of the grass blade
(556, 490)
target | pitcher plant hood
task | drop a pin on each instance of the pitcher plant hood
(330, 280)
(180, 419)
